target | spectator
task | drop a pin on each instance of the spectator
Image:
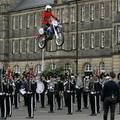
(110, 96)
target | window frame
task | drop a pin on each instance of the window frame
(14, 23)
(102, 10)
(92, 40)
(82, 41)
(73, 39)
(92, 12)
(82, 13)
(102, 43)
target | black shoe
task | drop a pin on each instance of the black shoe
(92, 114)
(42, 106)
(29, 117)
(50, 111)
(98, 112)
(59, 109)
(78, 110)
(85, 108)
(69, 113)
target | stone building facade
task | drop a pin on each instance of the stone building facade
(98, 35)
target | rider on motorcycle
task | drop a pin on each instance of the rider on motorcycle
(45, 21)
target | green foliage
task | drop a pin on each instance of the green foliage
(53, 72)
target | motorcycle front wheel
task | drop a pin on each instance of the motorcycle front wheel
(41, 42)
(60, 39)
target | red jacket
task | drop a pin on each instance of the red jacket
(46, 17)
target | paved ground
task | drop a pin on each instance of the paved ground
(42, 114)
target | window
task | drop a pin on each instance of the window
(83, 13)
(20, 46)
(16, 69)
(82, 41)
(52, 66)
(28, 21)
(118, 5)
(92, 40)
(73, 41)
(36, 44)
(14, 22)
(102, 39)
(65, 14)
(67, 66)
(21, 22)
(88, 67)
(73, 14)
(28, 46)
(118, 41)
(38, 69)
(13, 46)
(102, 13)
(102, 67)
(92, 10)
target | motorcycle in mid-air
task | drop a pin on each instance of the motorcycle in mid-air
(55, 30)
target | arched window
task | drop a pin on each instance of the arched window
(53, 66)
(38, 69)
(102, 67)
(68, 67)
(17, 69)
(88, 68)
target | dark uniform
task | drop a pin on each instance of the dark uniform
(29, 98)
(16, 95)
(94, 94)
(8, 88)
(79, 89)
(3, 101)
(98, 90)
(85, 92)
(69, 91)
(33, 88)
(59, 88)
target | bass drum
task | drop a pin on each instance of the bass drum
(40, 87)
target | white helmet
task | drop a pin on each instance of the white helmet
(48, 7)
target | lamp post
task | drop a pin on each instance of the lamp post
(76, 61)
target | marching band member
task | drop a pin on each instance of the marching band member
(50, 87)
(69, 88)
(79, 89)
(59, 88)
(29, 96)
(2, 100)
(85, 91)
(17, 89)
(43, 80)
(98, 89)
(33, 87)
(8, 90)
(95, 90)
(92, 96)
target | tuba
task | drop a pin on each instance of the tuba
(40, 87)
